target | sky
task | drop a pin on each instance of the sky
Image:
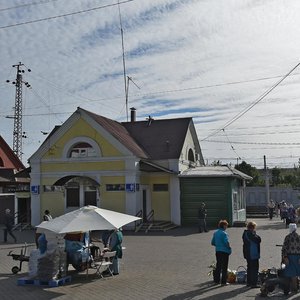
(231, 65)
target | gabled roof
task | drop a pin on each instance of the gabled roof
(119, 132)
(161, 139)
(9, 158)
(214, 171)
(155, 140)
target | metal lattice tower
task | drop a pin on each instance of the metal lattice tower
(18, 134)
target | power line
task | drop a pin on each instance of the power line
(232, 148)
(250, 143)
(159, 92)
(211, 85)
(240, 114)
(28, 4)
(65, 15)
(264, 133)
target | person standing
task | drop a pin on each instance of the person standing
(251, 251)
(47, 216)
(9, 223)
(115, 244)
(271, 206)
(202, 213)
(221, 242)
(291, 256)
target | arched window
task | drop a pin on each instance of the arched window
(81, 147)
(191, 156)
(82, 150)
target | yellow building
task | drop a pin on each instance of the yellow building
(129, 167)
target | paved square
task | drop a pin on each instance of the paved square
(169, 266)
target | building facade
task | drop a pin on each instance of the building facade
(128, 167)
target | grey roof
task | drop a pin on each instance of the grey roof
(161, 139)
(149, 166)
(7, 175)
(158, 139)
(155, 140)
(214, 171)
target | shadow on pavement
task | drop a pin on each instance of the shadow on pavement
(274, 226)
(208, 287)
(180, 231)
(10, 290)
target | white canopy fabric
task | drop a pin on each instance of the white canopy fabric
(87, 218)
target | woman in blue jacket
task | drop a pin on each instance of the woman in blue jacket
(223, 250)
(251, 251)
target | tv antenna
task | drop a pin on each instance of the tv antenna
(127, 79)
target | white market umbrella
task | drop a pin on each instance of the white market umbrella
(88, 218)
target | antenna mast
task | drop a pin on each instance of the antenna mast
(123, 55)
(17, 133)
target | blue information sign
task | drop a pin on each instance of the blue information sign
(130, 187)
(35, 189)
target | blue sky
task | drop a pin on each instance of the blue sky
(206, 59)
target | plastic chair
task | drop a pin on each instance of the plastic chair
(104, 263)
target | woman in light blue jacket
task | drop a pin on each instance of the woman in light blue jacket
(223, 250)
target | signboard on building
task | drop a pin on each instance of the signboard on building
(130, 187)
(35, 189)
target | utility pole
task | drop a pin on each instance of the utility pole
(266, 181)
(18, 134)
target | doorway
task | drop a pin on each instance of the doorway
(24, 212)
(144, 206)
(145, 202)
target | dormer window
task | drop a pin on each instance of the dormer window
(82, 150)
(191, 155)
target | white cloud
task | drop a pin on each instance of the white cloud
(186, 56)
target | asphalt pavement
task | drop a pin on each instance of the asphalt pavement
(163, 266)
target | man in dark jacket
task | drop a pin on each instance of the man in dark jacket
(202, 217)
(251, 251)
(9, 223)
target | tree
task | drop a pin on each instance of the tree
(251, 171)
(276, 178)
(216, 163)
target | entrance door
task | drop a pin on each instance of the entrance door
(24, 210)
(90, 198)
(144, 205)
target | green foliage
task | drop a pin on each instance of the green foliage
(279, 177)
(251, 171)
(276, 179)
(216, 163)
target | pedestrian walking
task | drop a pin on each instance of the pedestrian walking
(202, 213)
(251, 251)
(221, 242)
(9, 223)
(47, 216)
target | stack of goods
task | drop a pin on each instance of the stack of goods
(52, 265)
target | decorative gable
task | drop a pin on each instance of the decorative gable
(8, 159)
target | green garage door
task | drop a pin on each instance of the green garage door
(214, 192)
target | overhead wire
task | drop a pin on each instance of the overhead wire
(231, 146)
(26, 4)
(260, 98)
(251, 143)
(63, 89)
(64, 15)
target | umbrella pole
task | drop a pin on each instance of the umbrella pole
(87, 260)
